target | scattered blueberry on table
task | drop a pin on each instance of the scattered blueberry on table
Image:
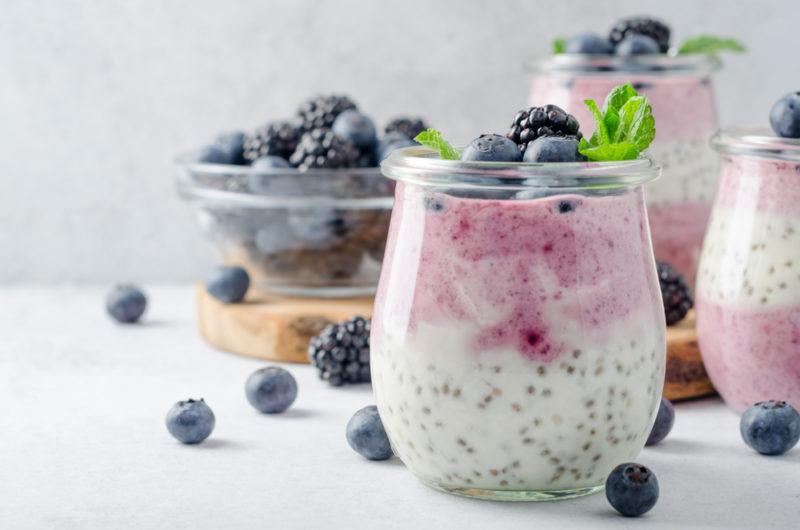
(632, 489)
(785, 116)
(366, 435)
(190, 421)
(770, 427)
(665, 419)
(126, 303)
(228, 284)
(271, 390)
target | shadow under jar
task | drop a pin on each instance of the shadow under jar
(518, 336)
(681, 93)
(748, 287)
(317, 233)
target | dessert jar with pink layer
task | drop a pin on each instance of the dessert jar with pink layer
(681, 93)
(748, 286)
(518, 337)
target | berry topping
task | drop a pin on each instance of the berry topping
(588, 43)
(655, 29)
(553, 149)
(323, 149)
(320, 112)
(785, 116)
(550, 120)
(674, 292)
(271, 390)
(770, 427)
(232, 147)
(228, 284)
(632, 489)
(126, 303)
(637, 45)
(408, 127)
(269, 162)
(390, 142)
(341, 352)
(664, 421)
(366, 435)
(355, 127)
(492, 148)
(278, 138)
(190, 421)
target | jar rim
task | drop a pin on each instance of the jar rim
(755, 141)
(653, 64)
(421, 165)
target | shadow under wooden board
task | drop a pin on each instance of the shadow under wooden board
(278, 329)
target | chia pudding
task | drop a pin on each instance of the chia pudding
(518, 344)
(681, 93)
(748, 289)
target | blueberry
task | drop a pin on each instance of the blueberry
(433, 204)
(637, 45)
(366, 435)
(231, 145)
(632, 489)
(126, 303)
(356, 127)
(566, 206)
(491, 148)
(665, 419)
(228, 284)
(190, 421)
(271, 390)
(553, 149)
(266, 163)
(785, 116)
(770, 427)
(391, 142)
(211, 154)
(588, 43)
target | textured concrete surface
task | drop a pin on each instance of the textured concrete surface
(97, 97)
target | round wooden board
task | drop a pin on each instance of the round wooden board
(279, 328)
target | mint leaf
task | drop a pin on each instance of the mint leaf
(601, 131)
(433, 139)
(637, 124)
(559, 45)
(611, 121)
(619, 96)
(611, 152)
(710, 45)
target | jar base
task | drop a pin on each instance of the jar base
(514, 495)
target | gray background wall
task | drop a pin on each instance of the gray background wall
(96, 98)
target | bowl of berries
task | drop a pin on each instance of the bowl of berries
(300, 204)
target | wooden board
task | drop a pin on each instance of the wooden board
(279, 328)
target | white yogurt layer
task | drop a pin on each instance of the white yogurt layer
(499, 421)
(690, 171)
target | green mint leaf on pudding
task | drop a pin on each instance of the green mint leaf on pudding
(624, 126)
(559, 45)
(709, 44)
(434, 139)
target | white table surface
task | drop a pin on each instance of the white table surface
(83, 442)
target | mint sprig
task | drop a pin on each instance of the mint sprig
(434, 139)
(710, 45)
(559, 45)
(624, 126)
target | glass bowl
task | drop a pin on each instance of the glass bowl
(317, 233)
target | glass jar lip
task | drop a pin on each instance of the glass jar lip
(655, 64)
(421, 165)
(755, 141)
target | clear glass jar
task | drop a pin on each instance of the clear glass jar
(682, 96)
(748, 286)
(518, 336)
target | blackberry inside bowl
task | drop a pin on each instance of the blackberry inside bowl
(313, 233)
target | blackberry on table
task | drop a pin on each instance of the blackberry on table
(675, 293)
(321, 111)
(341, 352)
(322, 149)
(409, 127)
(279, 138)
(649, 27)
(535, 122)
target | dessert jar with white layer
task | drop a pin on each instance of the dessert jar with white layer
(748, 287)
(518, 336)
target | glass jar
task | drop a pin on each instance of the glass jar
(518, 336)
(682, 96)
(748, 286)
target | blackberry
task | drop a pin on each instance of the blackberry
(535, 122)
(279, 138)
(341, 352)
(322, 149)
(675, 293)
(321, 111)
(650, 27)
(409, 127)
